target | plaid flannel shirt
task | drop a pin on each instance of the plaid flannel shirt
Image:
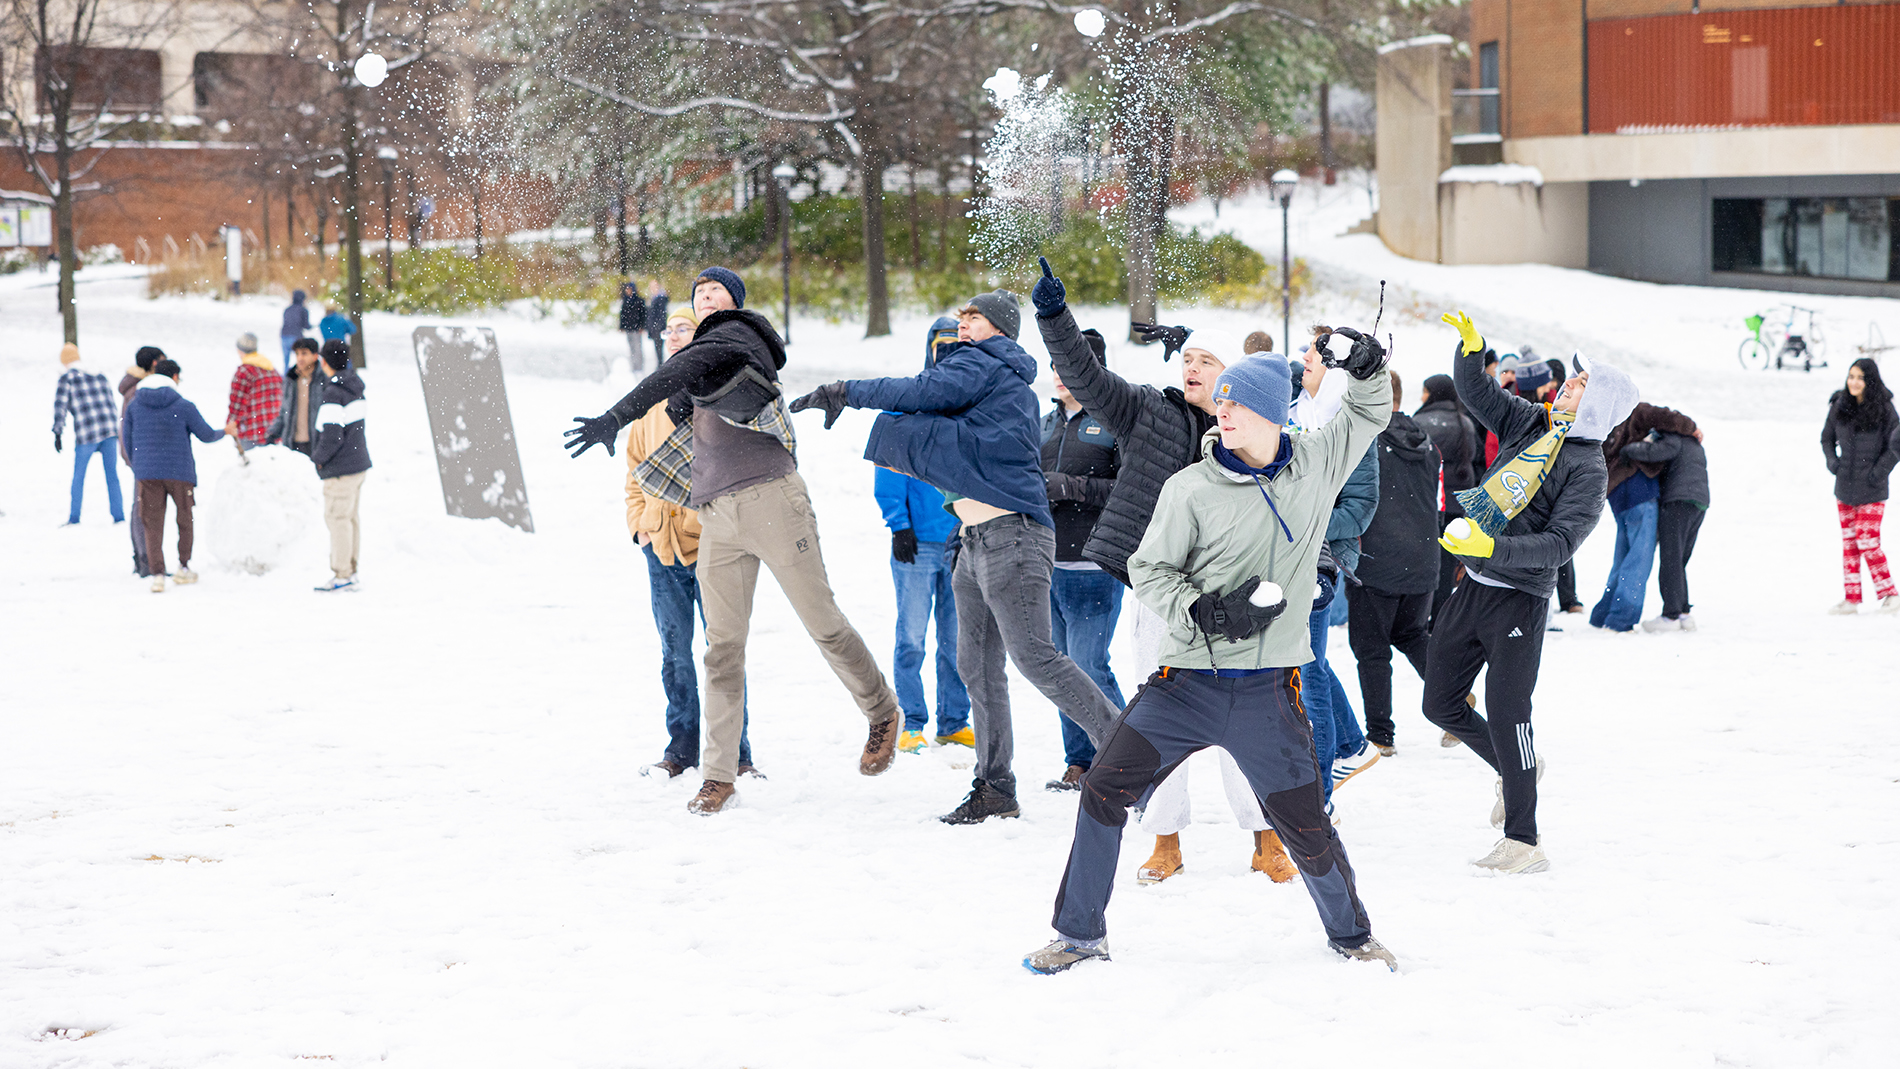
(667, 472)
(257, 396)
(88, 398)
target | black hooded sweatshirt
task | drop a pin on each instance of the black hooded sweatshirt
(1398, 554)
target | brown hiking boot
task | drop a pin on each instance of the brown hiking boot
(1270, 857)
(1071, 780)
(1163, 863)
(669, 769)
(880, 745)
(713, 797)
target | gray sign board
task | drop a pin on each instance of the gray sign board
(468, 417)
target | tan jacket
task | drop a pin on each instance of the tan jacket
(675, 529)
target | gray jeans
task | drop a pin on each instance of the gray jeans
(1002, 588)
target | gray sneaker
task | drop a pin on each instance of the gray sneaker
(1062, 955)
(1497, 807)
(1370, 950)
(1511, 857)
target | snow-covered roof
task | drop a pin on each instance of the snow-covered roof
(21, 194)
(1428, 39)
(1503, 174)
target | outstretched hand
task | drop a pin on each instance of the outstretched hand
(1460, 322)
(1171, 338)
(599, 430)
(1366, 359)
(1050, 297)
(830, 397)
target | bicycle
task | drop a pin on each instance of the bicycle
(1769, 340)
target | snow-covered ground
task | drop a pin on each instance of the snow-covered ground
(242, 824)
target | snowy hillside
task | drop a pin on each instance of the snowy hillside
(242, 824)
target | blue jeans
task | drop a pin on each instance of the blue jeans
(1622, 603)
(1083, 608)
(923, 590)
(1336, 731)
(288, 340)
(108, 450)
(676, 601)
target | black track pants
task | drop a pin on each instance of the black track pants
(1376, 624)
(1503, 628)
(1259, 720)
(1676, 533)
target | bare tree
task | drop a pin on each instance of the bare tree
(93, 82)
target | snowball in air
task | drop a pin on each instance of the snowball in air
(1090, 23)
(1004, 84)
(1267, 594)
(371, 69)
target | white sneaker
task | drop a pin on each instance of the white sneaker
(1686, 621)
(1845, 608)
(158, 584)
(1890, 603)
(184, 575)
(1497, 808)
(1345, 768)
(1511, 857)
(1662, 623)
(337, 585)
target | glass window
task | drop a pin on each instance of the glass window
(1488, 79)
(1738, 235)
(1869, 238)
(1826, 237)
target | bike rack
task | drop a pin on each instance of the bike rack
(1876, 342)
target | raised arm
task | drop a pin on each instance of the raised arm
(1112, 400)
(951, 385)
(1498, 411)
(686, 370)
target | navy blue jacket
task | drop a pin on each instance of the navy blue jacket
(969, 426)
(158, 425)
(340, 446)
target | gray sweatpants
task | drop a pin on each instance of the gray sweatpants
(1002, 589)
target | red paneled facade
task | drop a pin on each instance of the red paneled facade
(1788, 67)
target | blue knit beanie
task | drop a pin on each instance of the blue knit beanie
(1260, 383)
(725, 278)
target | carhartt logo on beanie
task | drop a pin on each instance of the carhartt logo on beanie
(727, 278)
(1259, 383)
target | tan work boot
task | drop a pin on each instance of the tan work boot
(880, 745)
(1269, 856)
(1163, 863)
(713, 797)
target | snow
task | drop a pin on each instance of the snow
(246, 824)
(261, 510)
(1502, 174)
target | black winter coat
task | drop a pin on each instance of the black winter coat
(1685, 474)
(1860, 458)
(339, 446)
(656, 316)
(1398, 554)
(1568, 505)
(1077, 446)
(725, 342)
(633, 312)
(1456, 436)
(1158, 431)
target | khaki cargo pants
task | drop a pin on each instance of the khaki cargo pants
(340, 498)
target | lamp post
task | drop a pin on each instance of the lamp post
(1284, 182)
(784, 173)
(387, 154)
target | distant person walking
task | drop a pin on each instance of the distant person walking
(296, 324)
(334, 326)
(86, 397)
(657, 318)
(633, 324)
(159, 425)
(256, 393)
(141, 366)
(1861, 440)
(341, 454)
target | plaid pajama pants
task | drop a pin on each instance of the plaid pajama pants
(1860, 541)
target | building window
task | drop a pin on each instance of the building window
(1823, 237)
(1488, 79)
(113, 80)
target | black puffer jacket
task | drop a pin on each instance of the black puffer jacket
(1081, 447)
(1567, 506)
(1860, 458)
(1398, 554)
(1453, 433)
(725, 342)
(1158, 431)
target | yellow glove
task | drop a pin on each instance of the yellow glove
(1473, 543)
(1460, 322)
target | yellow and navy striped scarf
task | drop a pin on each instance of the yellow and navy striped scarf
(1501, 497)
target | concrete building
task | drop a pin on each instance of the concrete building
(1712, 142)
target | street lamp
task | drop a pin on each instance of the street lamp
(785, 172)
(1284, 182)
(387, 154)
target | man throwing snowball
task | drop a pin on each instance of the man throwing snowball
(1535, 505)
(1234, 536)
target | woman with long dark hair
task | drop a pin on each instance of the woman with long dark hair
(1861, 441)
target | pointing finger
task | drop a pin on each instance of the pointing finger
(1044, 261)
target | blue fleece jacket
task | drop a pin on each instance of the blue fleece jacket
(912, 504)
(969, 425)
(158, 425)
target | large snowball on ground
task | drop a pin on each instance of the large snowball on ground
(371, 69)
(1090, 23)
(260, 511)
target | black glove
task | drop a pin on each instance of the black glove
(1049, 296)
(830, 397)
(1063, 487)
(1235, 616)
(1366, 359)
(57, 447)
(904, 546)
(1171, 338)
(601, 430)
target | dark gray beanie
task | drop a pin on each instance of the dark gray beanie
(1000, 307)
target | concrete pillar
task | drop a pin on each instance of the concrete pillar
(175, 59)
(1414, 141)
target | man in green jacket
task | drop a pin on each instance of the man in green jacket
(1234, 536)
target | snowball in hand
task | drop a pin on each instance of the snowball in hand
(1267, 594)
(1090, 23)
(371, 69)
(1459, 528)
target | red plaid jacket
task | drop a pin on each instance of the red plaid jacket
(256, 395)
